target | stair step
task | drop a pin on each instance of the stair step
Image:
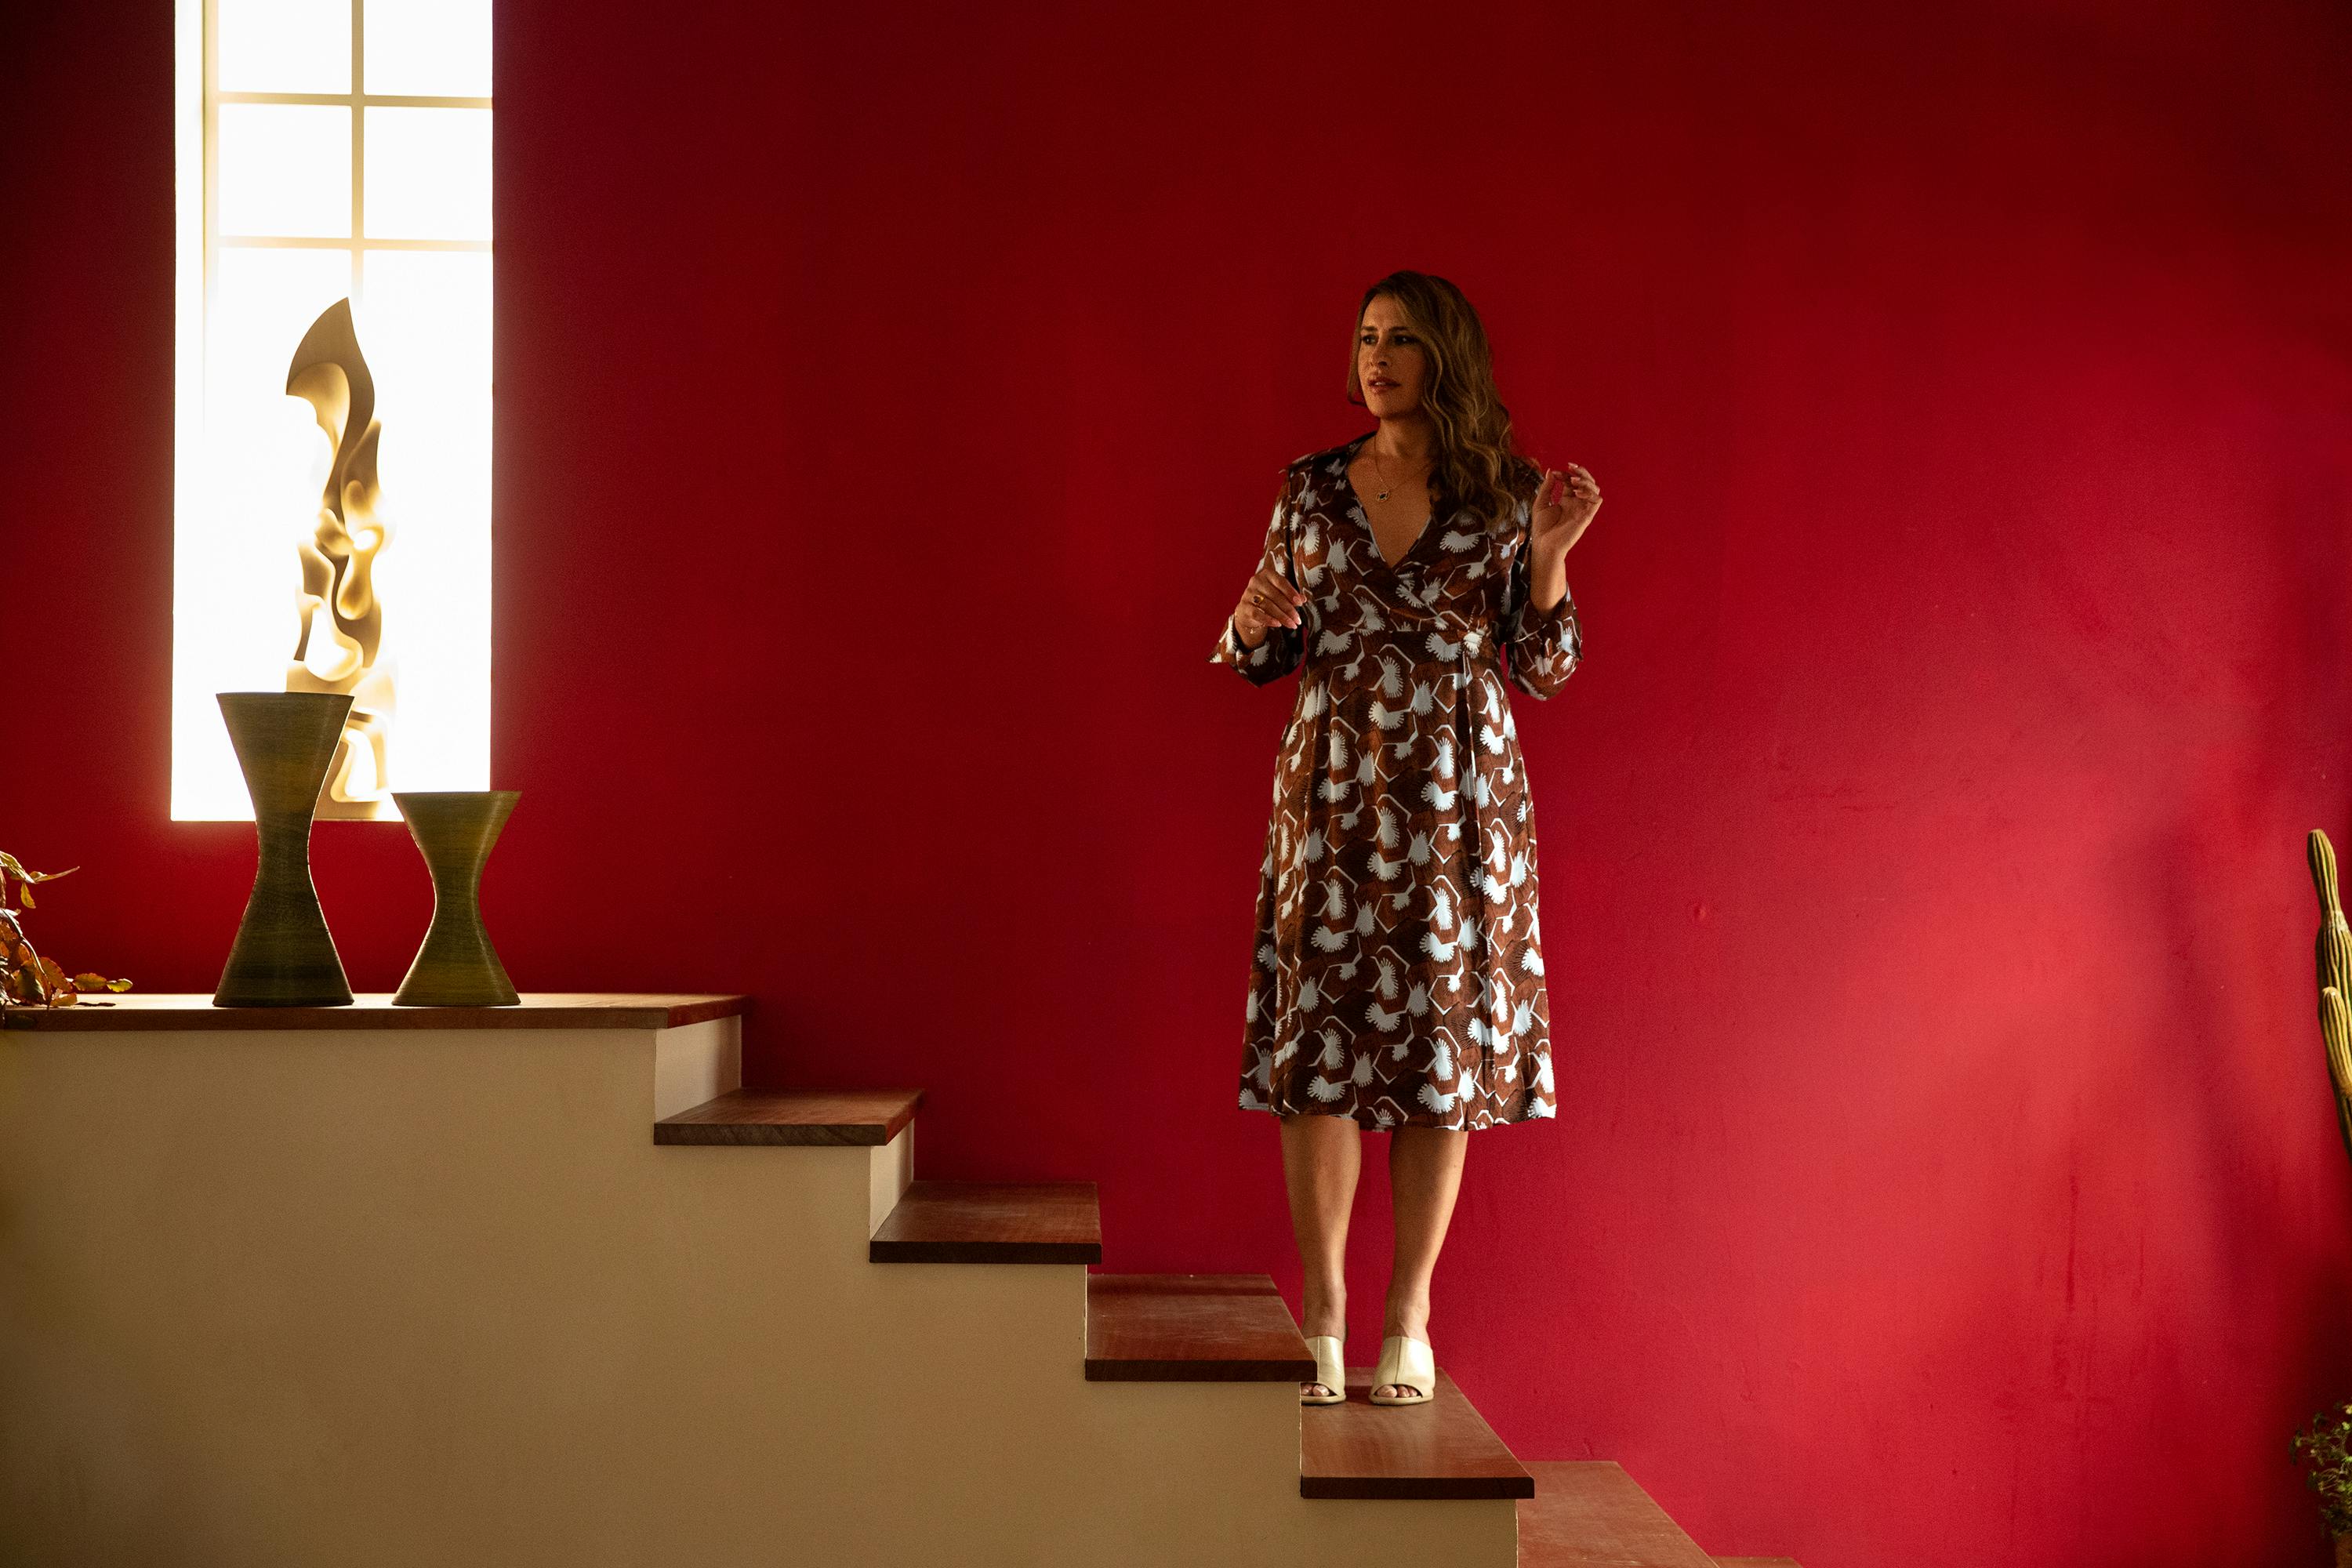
(1191, 1328)
(1441, 1450)
(991, 1222)
(870, 1117)
(1588, 1513)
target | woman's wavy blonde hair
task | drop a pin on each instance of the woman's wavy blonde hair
(1479, 467)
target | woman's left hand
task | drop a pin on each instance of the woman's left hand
(1564, 505)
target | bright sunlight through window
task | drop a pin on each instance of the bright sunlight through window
(332, 149)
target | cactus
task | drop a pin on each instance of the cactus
(2335, 964)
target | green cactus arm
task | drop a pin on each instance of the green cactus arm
(2333, 952)
(2335, 1035)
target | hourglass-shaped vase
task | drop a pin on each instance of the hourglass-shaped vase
(456, 830)
(283, 956)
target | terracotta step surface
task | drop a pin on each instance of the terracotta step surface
(991, 1222)
(1588, 1513)
(795, 1116)
(1442, 1449)
(1191, 1328)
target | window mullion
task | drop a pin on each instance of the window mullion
(381, 100)
(210, 117)
(358, 146)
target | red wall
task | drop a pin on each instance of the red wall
(888, 408)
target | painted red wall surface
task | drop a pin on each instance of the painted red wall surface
(888, 408)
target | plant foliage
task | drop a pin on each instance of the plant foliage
(27, 979)
(2321, 1448)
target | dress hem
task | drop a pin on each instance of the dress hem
(1373, 1124)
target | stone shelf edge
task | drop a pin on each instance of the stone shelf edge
(538, 1010)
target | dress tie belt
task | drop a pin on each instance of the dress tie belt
(1456, 646)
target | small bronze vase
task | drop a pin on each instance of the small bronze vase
(283, 956)
(456, 830)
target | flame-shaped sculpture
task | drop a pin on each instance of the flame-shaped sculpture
(337, 650)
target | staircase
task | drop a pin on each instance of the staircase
(378, 1285)
(1187, 1423)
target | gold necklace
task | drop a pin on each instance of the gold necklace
(1381, 468)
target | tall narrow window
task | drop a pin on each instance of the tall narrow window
(333, 149)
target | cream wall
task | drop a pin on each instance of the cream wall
(361, 1297)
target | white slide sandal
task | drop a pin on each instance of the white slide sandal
(1408, 1363)
(1325, 1348)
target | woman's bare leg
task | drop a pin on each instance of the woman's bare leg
(1321, 1158)
(1424, 1174)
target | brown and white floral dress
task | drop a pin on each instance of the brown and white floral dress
(1397, 977)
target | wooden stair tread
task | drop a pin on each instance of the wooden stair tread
(991, 1222)
(1442, 1449)
(795, 1116)
(374, 1010)
(1588, 1513)
(1191, 1328)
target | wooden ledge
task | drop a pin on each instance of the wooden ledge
(1588, 1513)
(991, 1222)
(1191, 1328)
(538, 1010)
(794, 1117)
(1441, 1450)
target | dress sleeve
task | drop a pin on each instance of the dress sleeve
(1279, 654)
(1545, 645)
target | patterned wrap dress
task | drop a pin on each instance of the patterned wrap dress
(1397, 977)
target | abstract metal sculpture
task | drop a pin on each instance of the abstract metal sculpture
(343, 619)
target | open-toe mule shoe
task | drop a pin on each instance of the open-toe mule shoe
(1328, 1371)
(1408, 1363)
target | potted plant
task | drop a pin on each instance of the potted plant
(2321, 1446)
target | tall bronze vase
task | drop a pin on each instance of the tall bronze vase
(456, 831)
(283, 956)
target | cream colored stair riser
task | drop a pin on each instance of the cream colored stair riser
(890, 1171)
(695, 1063)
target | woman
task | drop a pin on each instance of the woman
(1397, 981)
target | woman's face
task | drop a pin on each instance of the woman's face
(1391, 365)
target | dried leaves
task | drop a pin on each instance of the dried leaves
(12, 868)
(27, 979)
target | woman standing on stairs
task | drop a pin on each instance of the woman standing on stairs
(1396, 981)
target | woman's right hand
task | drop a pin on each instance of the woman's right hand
(1268, 601)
